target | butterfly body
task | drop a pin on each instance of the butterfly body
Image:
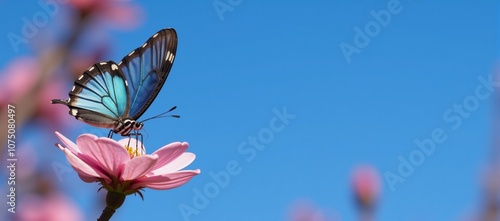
(110, 95)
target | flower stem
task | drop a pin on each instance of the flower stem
(106, 214)
(113, 201)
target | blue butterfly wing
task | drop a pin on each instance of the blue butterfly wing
(99, 96)
(146, 69)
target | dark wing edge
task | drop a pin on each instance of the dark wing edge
(164, 44)
(88, 116)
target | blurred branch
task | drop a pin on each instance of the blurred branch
(49, 62)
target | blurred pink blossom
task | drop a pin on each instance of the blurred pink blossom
(21, 75)
(124, 167)
(52, 207)
(51, 114)
(122, 14)
(27, 166)
(366, 186)
(81, 61)
(306, 211)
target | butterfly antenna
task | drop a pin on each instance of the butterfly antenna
(163, 114)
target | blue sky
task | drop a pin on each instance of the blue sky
(234, 70)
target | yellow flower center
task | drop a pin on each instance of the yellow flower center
(134, 151)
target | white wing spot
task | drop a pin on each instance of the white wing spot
(154, 36)
(168, 55)
(73, 88)
(81, 76)
(144, 45)
(74, 112)
(120, 63)
(103, 63)
(114, 67)
(126, 83)
(131, 53)
(90, 69)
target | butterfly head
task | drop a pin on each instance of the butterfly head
(138, 125)
(125, 126)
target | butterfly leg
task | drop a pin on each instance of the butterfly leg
(138, 136)
(110, 134)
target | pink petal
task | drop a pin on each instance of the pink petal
(138, 166)
(170, 185)
(82, 168)
(169, 152)
(178, 164)
(167, 181)
(107, 153)
(90, 179)
(68, 143)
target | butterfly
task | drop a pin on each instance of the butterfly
(110, 95)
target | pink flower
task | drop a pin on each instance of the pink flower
(366, 186)
(123, 166)
(53, 207)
